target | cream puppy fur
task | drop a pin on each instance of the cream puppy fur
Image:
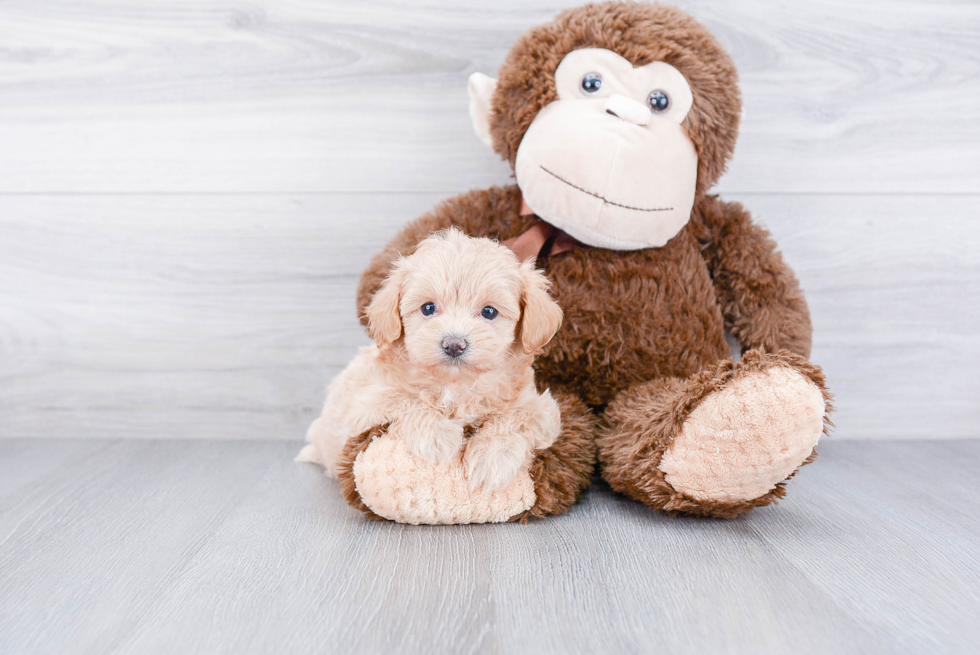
(456, 326)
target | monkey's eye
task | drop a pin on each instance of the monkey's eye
(658, 101)
(428, 309)
(489, 313)
(591, 83)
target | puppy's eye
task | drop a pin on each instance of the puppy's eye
(428, 309)
(658, 101)
(591, 83)
(489, 313)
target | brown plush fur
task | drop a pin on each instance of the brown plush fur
(644, 329)
(760, 297)
(345, 469)
(562, 472)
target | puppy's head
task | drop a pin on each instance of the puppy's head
(460, 302)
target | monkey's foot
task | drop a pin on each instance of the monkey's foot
(395, 484)
(746, 437)
(721, 442)
(382, 478)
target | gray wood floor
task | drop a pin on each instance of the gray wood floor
(146, 546)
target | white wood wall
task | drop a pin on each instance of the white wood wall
(189, 188)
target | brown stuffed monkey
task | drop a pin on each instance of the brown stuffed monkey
(617, 119)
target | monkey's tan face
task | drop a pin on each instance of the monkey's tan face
(609, 161)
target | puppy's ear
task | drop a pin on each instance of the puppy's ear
(540, 316)
(384, 319)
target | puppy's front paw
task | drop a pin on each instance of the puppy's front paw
(492, 463)
(434, 441)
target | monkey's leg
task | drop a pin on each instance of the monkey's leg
(380, 477)
(718, 443)
(562, 471)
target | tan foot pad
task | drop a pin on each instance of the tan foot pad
(397, 485)
(742, 440)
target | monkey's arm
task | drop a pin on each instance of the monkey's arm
(487, 212)
(759, 294)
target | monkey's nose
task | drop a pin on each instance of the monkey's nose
(454, 346)
(627, 109)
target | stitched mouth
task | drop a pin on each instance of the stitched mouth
(608, 202)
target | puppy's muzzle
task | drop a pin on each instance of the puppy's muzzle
(454, 346)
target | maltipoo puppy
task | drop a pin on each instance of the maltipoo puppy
(456, 326)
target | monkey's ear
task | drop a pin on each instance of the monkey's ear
(540, 316)
(481, 90)
(383, 315)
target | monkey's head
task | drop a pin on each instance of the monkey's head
(616, 118)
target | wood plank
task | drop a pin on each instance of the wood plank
(889, 282)
(29, 475)
(111, 532)
(213, 547)
(370, 96)
(224, 316)
(322, 577)
(894, 527)
(196, 316)
(656, 585)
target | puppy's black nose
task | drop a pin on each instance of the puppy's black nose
(454, 346)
